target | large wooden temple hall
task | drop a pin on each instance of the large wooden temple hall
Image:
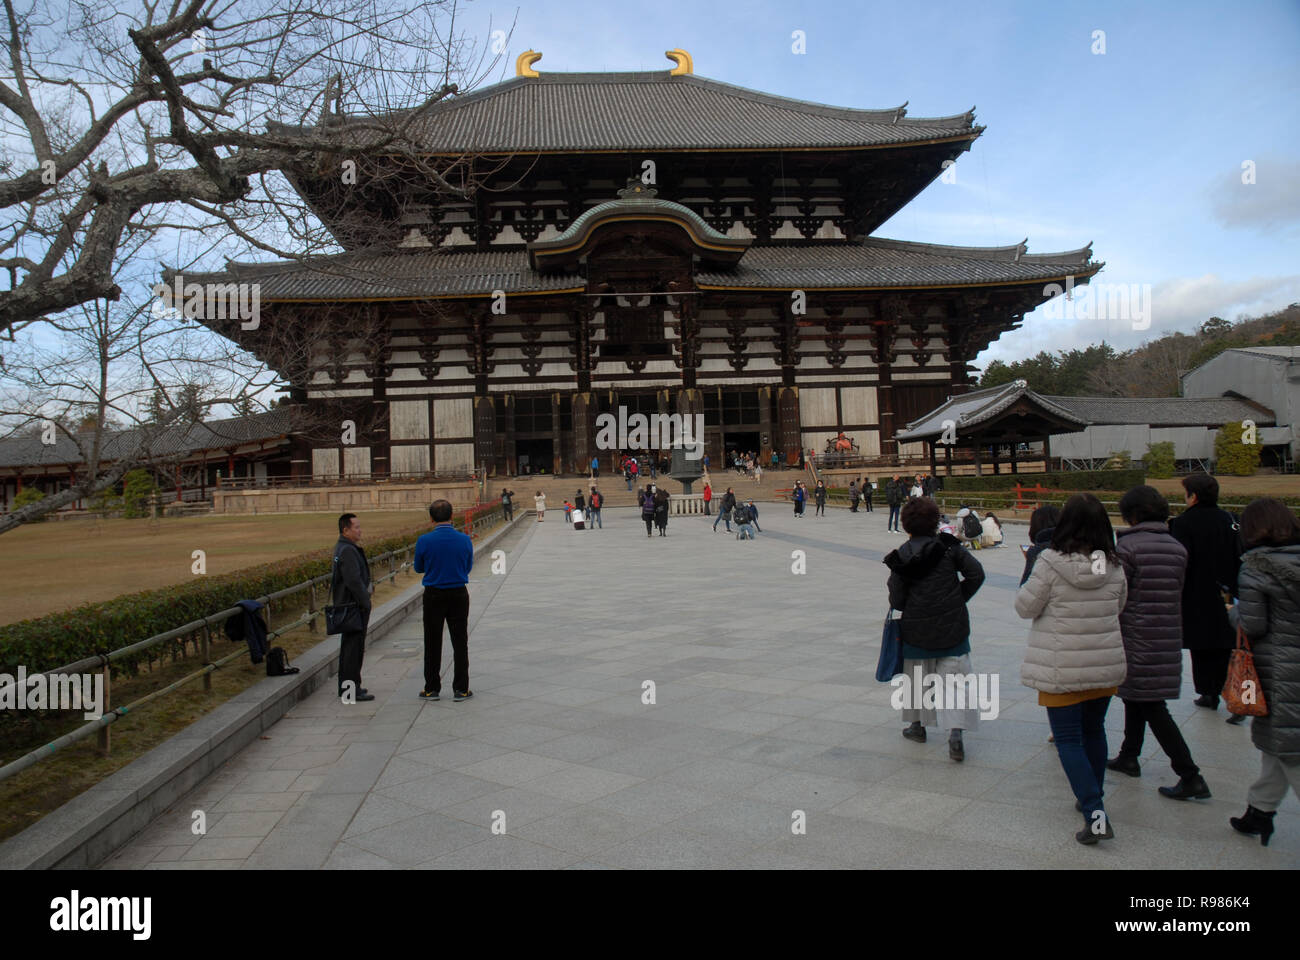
(655, 241)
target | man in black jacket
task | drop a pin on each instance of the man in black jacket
(724, 512)
(352, 585)
(1213, 561)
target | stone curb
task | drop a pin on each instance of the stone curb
(86, 830)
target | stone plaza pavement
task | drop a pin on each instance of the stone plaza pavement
(766, 704)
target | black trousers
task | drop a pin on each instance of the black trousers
(820, 511)
(352, 650)
(868, 503)
(1137, 716)
(509, 509)
(1210, 671)
(449, 606)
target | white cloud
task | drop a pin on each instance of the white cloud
(1272, 201)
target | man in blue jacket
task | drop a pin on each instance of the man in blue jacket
(445, 555)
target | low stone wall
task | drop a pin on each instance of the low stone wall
(355, 498)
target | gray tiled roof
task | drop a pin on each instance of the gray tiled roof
(885, 263)
(441, 272)
(395, 274)
(655, 111)
(1164, 411)
(172, 441)
(967, 410)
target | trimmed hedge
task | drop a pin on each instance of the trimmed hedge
(93, 628)
(1092, 480)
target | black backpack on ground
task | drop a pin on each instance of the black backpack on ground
(971, 527)
(277, 663)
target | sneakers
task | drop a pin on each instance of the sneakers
(915, 732)
(1236, 718)
(1188, 788)
(1208, 700)
(426, 695)
(956, 751)
(462, 696)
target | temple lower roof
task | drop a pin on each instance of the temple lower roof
(445, 273)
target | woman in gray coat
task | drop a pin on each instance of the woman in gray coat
(1075, 658)
(1268, 612)
(1155, 564)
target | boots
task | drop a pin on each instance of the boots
(1255, 822)
(956, 751)
(1208, 700)
(1188, 788)
(915, 732)
(1123, 764)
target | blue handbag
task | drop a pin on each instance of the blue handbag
(891, 649)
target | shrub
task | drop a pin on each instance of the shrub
(1231, 455)
(137, 489)
(1118, 461)
(1060, 480)
(1159, 459)
(26, 498)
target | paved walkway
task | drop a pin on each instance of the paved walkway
(765, 705)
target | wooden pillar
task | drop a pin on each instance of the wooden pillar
(584, 420)
(994, 448)
(885, 390)
(947, 460)
(1013, 455)
(511, 456)
(1047, 454)
(485, 426)
(557, 437)
(975, 449)
(933, 468)
(791, 438)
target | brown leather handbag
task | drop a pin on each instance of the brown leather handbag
(1242, 693)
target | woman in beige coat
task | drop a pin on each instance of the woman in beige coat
(540, 501)
(1076, 658)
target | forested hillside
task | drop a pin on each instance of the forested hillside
(1151, 370)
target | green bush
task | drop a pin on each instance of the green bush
(1092, 480)
(1122, 460)
(72, 635)
(26, 498)
(1233, 457)
(107, 502)
(1159, 459)
(138, 488)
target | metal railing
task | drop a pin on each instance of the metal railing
(478, 518)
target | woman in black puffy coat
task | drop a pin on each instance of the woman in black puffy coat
(931, 579)
(1151, 622)
(1268, 612)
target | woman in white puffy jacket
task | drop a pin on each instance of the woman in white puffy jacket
(1075, 658)
(992, 531)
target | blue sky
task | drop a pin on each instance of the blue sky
(1139, 149)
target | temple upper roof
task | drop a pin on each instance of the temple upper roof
(656, 110)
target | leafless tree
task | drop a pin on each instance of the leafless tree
(180, 113)
(173, 131)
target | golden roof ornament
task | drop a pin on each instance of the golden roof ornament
(524, 64)
(683, 60)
